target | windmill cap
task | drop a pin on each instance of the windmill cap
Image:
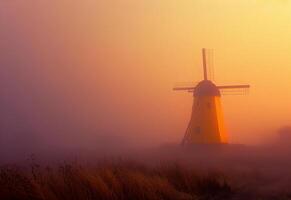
(206, 88)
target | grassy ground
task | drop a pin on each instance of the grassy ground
(125, 181)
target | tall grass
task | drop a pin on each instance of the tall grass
(120, 181)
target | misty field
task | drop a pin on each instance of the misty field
(110, 181)
(129, 180)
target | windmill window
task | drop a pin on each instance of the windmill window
(197, 129)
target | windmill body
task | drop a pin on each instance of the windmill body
(206, 125)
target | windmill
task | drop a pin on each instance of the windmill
(206, 125)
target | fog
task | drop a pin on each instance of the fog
(97, 75)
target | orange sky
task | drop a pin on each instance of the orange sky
(110, 65)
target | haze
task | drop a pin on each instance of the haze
(79, 72)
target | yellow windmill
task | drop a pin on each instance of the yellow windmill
(206, 125)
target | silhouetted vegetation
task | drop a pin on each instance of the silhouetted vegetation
(124, 181)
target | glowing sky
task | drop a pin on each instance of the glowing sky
(73, 68)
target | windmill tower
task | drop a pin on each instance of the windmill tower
(206, 125)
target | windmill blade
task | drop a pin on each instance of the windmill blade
(234, 90)
(210, 64)
(233, 87)
(205, 72)
(208, 70)
(184, 88)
